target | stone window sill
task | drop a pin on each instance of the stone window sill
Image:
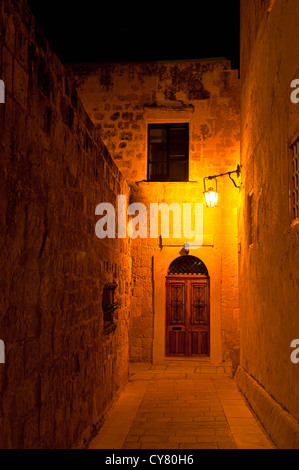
(165, 182)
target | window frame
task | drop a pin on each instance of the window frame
(295, 143)
(168, 126)
(250, 217)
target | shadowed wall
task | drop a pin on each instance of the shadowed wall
(61, 371)
(269, 270)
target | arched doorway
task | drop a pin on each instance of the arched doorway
(187, 308)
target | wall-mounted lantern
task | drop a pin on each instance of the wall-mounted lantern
(211, 194)
(186, 248)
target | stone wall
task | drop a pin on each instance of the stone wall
(122, 99)
(269, 270)
(61, 372)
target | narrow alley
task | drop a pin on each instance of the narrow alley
(181, 405)
(149, 226)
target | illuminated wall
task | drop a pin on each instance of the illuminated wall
(122, 99)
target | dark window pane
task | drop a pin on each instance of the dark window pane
(158, 153)
(178, 134)
(168, 152)
(158, 135)
(157, 172)
(177, 150)
(178, 171)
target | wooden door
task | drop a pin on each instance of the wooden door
(187, 316)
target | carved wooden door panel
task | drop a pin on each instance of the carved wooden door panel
(176, 318)
(187, 316)
(199, 319)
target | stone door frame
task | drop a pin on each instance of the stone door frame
(187, 327)
(161, 262)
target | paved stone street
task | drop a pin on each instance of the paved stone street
(181, 405)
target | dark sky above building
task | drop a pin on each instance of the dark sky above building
(97, 31)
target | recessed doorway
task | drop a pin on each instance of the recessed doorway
(187, 308)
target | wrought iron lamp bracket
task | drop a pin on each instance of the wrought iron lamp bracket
(229, 173)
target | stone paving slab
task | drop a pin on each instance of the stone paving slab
(181, 406)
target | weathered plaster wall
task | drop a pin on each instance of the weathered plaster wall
(269, 269)
(121, 99)
(60, 371)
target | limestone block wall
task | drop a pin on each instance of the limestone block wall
(269, 270)
(61, 372)
(220, 238)
(122, 99)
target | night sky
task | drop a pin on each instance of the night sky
(97, 31)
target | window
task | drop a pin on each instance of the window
(294, 189)
(250, 218)
(168, 152)
(109, 306)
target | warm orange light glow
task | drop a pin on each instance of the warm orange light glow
(211, 197)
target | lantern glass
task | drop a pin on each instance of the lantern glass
(211, 197)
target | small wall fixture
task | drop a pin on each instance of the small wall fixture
(211, 194)
(186, 248)
(109, 306)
